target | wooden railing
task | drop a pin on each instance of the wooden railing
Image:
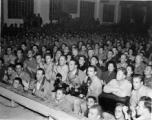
(41, 106)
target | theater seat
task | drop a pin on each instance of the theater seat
(108, 101)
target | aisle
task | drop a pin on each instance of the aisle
(19, 112)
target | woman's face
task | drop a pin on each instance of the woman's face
(118, 112)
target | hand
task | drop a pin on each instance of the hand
(116, 90)
(81, 95)
(25, 84)
(34, 90)
(25, 88)
(125, 109)
(133, 112)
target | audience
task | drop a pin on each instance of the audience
(87, 57)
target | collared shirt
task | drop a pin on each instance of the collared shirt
(125, 87)
(139, 69)
(9, 59)
(31, 63)
(38, 84)
(148, 82)
(63, 70)
(64, 103)
(137, 94)
(76, 78)
(95, 88)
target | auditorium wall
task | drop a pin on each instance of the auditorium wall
(42, 7)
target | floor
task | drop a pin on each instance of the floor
(17, 113)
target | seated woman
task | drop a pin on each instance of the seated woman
(130, 70)
(82, 63)
(110, 73)
(118, 113)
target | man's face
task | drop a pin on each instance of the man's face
(137, 83)
(23, 47)
(72, 65)
(62, 60)
(101, 50)
(138, 59)
(35, 49)
(74, 52)
(93, 114)
(19, 53)
(90, 102)
(16, 84)
(59, 95)
(9, 51)
(148, 71)
(123, 58)
(48, 59)
(38, 59)
(109, 55)
(93, 61)
(66, 50)
(90, 53)
(30, 54)
(18, 69)
(39, 75)
(83, 48)
(9, 71)
(91, 72)
(141, 110)
(120, 75)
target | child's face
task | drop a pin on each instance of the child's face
(148, 71)
(90, 102)
(15, 84)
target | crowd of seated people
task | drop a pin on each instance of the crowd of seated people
(74, 66)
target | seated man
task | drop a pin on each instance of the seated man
(41, 87)
(25, 77)
(17, 84)
(62, 68)
(139, 65)
(9, 75)
(30, 64)
(61, 100)
(119, 86)
(148, 76)
(143, 109)
(139, 90)
(9, 58)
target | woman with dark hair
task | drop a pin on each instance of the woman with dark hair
(82, 63)
(57, 56)
(110, 73)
